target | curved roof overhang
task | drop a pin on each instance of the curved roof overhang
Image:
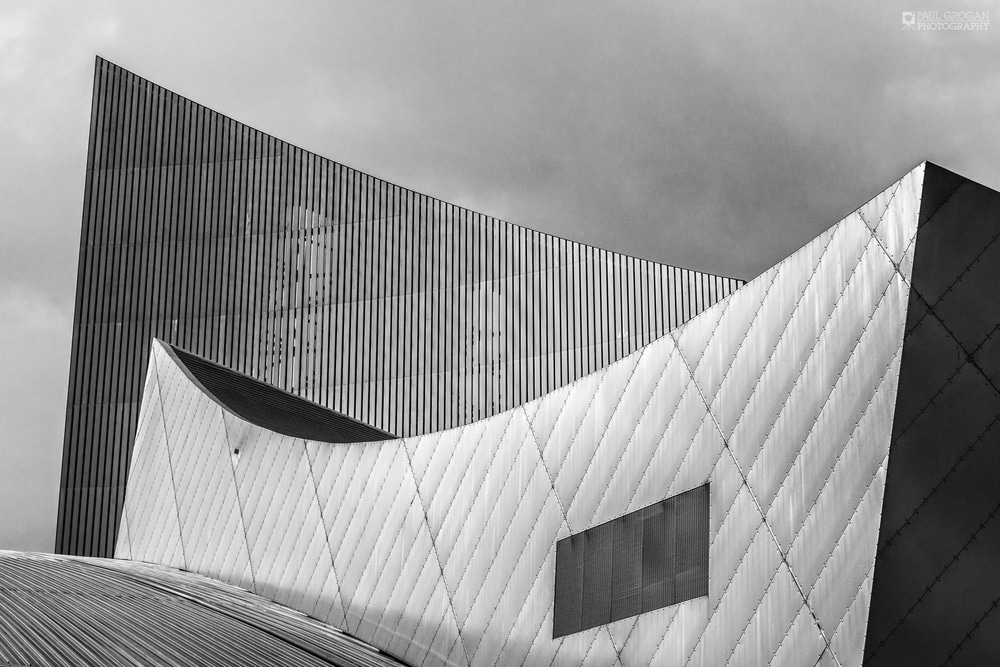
(267, 406)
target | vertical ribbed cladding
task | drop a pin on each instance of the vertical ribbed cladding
(394, 308)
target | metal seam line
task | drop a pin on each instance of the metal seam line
(239, 504)
(760, 511)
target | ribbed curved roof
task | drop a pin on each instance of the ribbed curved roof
(272, 408)
(58, 610)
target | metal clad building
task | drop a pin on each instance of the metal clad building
(393, 308)
(838, 414)
(595, 459)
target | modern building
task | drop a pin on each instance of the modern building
(804, 473)
(798, 471)
(402, 311)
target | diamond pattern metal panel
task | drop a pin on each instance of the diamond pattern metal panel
(617, 466)
(571, 476)
(272, 516)
(440, 548)
(371, 538)
(698, 461)
(208, 510)
(801, 320)
(836, 491)
(842, 573)
(631, 479)
(748, 382)
(775, 613)
(740, 354)
(524, 579)
(728, 547)
(375, 595)
(641, 636)
(802, 643)
(123, 546)
(758, 566)
(733, 325)
(842, 379)
(788, 395)
(849, 640)
(151, 503)
(893, 216)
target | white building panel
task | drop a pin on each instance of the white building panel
(440, 549)
(150, 503)
(892, 215)
(775, 613)
(849, 641)
(802, 644)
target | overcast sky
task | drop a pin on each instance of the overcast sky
(718, 137)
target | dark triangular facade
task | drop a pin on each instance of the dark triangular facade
(936, 588)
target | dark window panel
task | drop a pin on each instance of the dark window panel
(627, 570)
(657, 557)
(648, 559)
(691, 544)
(598, 547)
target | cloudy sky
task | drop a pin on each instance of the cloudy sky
(713, 136)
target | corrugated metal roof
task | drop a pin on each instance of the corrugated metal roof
(59, 610)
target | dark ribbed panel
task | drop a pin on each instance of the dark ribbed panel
(936, 591)
(274, 409)
(391, 307)
(645, 560)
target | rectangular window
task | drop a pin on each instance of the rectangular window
(651, 558)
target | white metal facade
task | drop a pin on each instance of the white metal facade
(440, 549)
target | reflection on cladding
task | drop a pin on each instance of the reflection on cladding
(396, 309)
(440, 548)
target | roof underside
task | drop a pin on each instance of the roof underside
(267, 406)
